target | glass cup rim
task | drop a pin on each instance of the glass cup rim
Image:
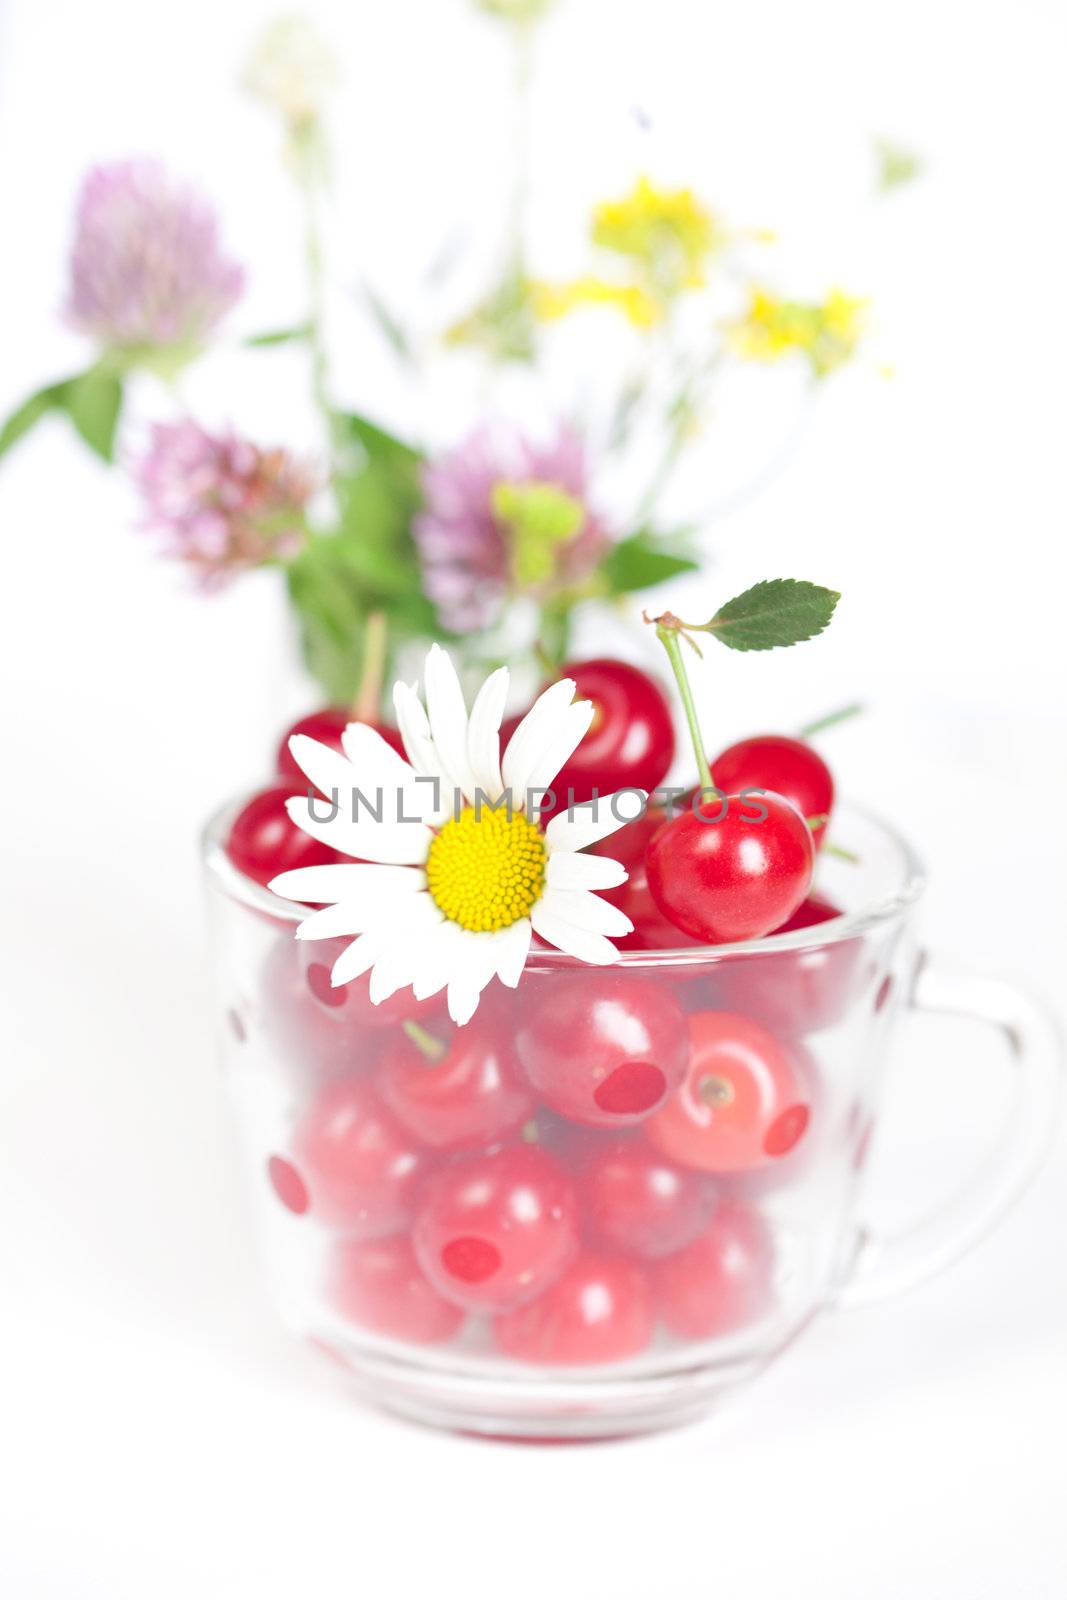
(848, 925)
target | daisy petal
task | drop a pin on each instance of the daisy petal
(513, 946)
(588, 824)
(528, 742)
(415, 731)
(437, 959)
(591, 947)
(356, 959)
(463, 1000)
(567, 735)
(586, 911)
(483, 733)
(447, 712)
(362, 882)
(388, 843)
(566, 870)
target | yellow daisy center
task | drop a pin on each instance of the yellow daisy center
(486, 871)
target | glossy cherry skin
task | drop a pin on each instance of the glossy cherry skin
(732, 878)
(473, 1094)
(360, 1167)
(785, 766)
(651, 930)
(378, 1284)
(722, 1280)
(744, 1103)
(636, 1201)
(599, 1310)
(494, 1230)
(630, 743)
(795, 992)
(264, 841)
(602, 1048)
(326, 726)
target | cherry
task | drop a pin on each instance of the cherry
(494, 1230)
(377, 1283)
(637, 1201)
(721, 1281)
(788, 767)
(603, 1048)
(326, 726)
(721, 875)
(360, 1167)
(795, 991)
(743, 1103)
(263, 841)
(599, 1310)
(459, 1091)
(629, 845)
(630, 743)
(323, 1029)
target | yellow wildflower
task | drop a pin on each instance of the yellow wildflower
(826, 332)
(667, 232)
(551, 301)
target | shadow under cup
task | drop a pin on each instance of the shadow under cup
(614, 1194)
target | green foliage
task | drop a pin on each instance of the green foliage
(777, 612)
(266, 341)
(92, 400)
(642, 561)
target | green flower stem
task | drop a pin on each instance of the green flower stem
(433, 1049)
(830, 720)
(670, 639)
(368, 701)
(306, 158)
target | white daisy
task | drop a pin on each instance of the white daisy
(446, 891)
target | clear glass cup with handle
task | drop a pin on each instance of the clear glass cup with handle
(619, 1191)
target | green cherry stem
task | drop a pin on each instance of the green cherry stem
(667, 632)
(433, 1049)
(831, 719)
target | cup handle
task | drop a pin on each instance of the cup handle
(885, 1265)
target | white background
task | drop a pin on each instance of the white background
(159, 1435)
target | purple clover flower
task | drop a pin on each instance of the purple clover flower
(146, 267)
(221, 504)
(462, 544)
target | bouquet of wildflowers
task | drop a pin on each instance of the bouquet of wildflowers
(502, 532)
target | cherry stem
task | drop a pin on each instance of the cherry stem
(669, 638)
(831, 719)
(433, 1049)
(368, 702)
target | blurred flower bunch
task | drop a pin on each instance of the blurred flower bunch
(444, 541)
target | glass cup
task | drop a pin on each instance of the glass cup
(619, 1191)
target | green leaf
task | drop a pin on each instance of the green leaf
(780, 611)
(380, 446)
(93, 402)
(25, 416)
(640, 562)
(265, 341)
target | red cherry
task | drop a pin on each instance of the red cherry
(721, 1281)
(630, 743)
(360, 1167)
(743, 1103)
(263, 841)
(377, 1283)
(326, 726)
(600, 1310)
(637, 1201)
(720, 874)
(629, 845)
(795, 991)
(785, 766)
(320, 1029)
(459, 1091)
(602, 1048)
(494, 1230)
